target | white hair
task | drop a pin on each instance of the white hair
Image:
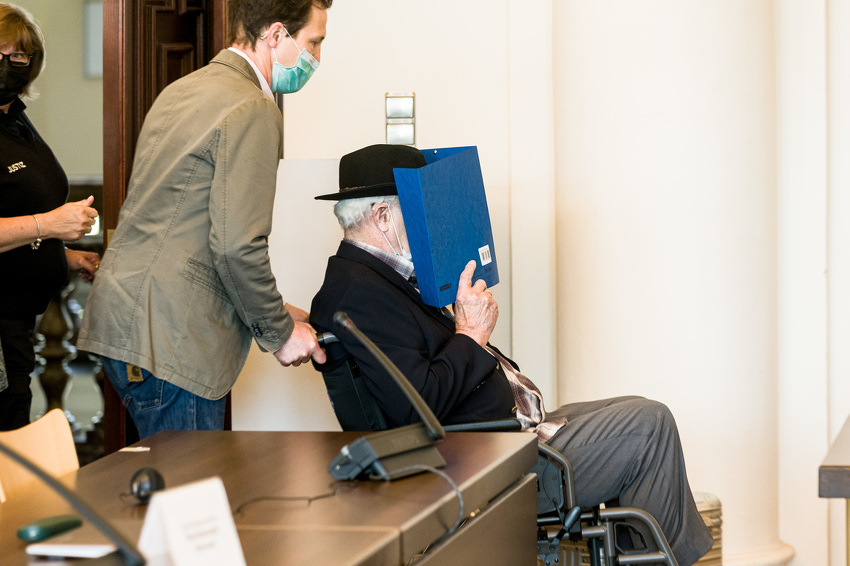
(352, 212)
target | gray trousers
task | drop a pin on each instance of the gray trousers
(628, 448)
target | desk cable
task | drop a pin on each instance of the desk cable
(306, 498)
(445, 476)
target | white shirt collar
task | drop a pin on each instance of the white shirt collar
(264, 84)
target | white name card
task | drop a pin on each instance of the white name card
(190, 525)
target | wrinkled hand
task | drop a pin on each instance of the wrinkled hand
(69, 222)
(301, 346)
(476, 311)
(84, 263)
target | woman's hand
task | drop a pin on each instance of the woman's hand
(69, 222)
(84, 263)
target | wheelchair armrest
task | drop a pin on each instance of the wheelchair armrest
(501, 425)
(556, 490)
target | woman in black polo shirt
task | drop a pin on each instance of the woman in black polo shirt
(34, 219)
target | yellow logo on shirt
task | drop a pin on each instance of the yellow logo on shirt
(17, 166)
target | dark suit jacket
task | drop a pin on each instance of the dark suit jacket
(458, 379)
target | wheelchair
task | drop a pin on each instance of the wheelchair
(609, 532)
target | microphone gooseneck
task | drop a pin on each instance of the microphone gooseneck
(130, 555)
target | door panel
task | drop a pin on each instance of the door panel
(147, 44)
(173, 43)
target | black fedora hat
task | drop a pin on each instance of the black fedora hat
(368, 172)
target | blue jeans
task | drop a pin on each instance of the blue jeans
(156, 405)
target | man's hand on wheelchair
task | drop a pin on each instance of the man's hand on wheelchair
(301, 347)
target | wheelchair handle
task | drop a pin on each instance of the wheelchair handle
(325, 338)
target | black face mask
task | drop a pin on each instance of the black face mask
(12, 81)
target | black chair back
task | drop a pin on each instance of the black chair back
(354, 406)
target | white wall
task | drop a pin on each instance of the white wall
(838, 175)
(68, 112)
(660, 175)
(668, 187)
(531, 190)
(456, 67)
(666, 171)
(458, 70)
(803, 301)
(304, 234)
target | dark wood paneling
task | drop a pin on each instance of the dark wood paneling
(147, 44)
(118, 140)
(173, 43)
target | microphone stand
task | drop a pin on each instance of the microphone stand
(383, 454)
(129, 554)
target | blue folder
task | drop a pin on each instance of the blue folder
(447, 221)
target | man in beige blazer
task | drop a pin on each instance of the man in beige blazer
(186, 282)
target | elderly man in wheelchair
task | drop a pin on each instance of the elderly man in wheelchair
(625, 450)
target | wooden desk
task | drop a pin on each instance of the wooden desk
(834, 474)
(363, 523)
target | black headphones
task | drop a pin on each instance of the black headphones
(144, 482)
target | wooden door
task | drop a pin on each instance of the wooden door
(146, 45)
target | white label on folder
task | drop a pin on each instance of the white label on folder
(485, 255)
(192, 524)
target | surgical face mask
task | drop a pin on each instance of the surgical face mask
(12, 81)
(287, 80)
(404, 253)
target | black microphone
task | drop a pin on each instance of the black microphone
(383, 454)
(129, 554)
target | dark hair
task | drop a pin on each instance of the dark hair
(18, 29)
(248, 18)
